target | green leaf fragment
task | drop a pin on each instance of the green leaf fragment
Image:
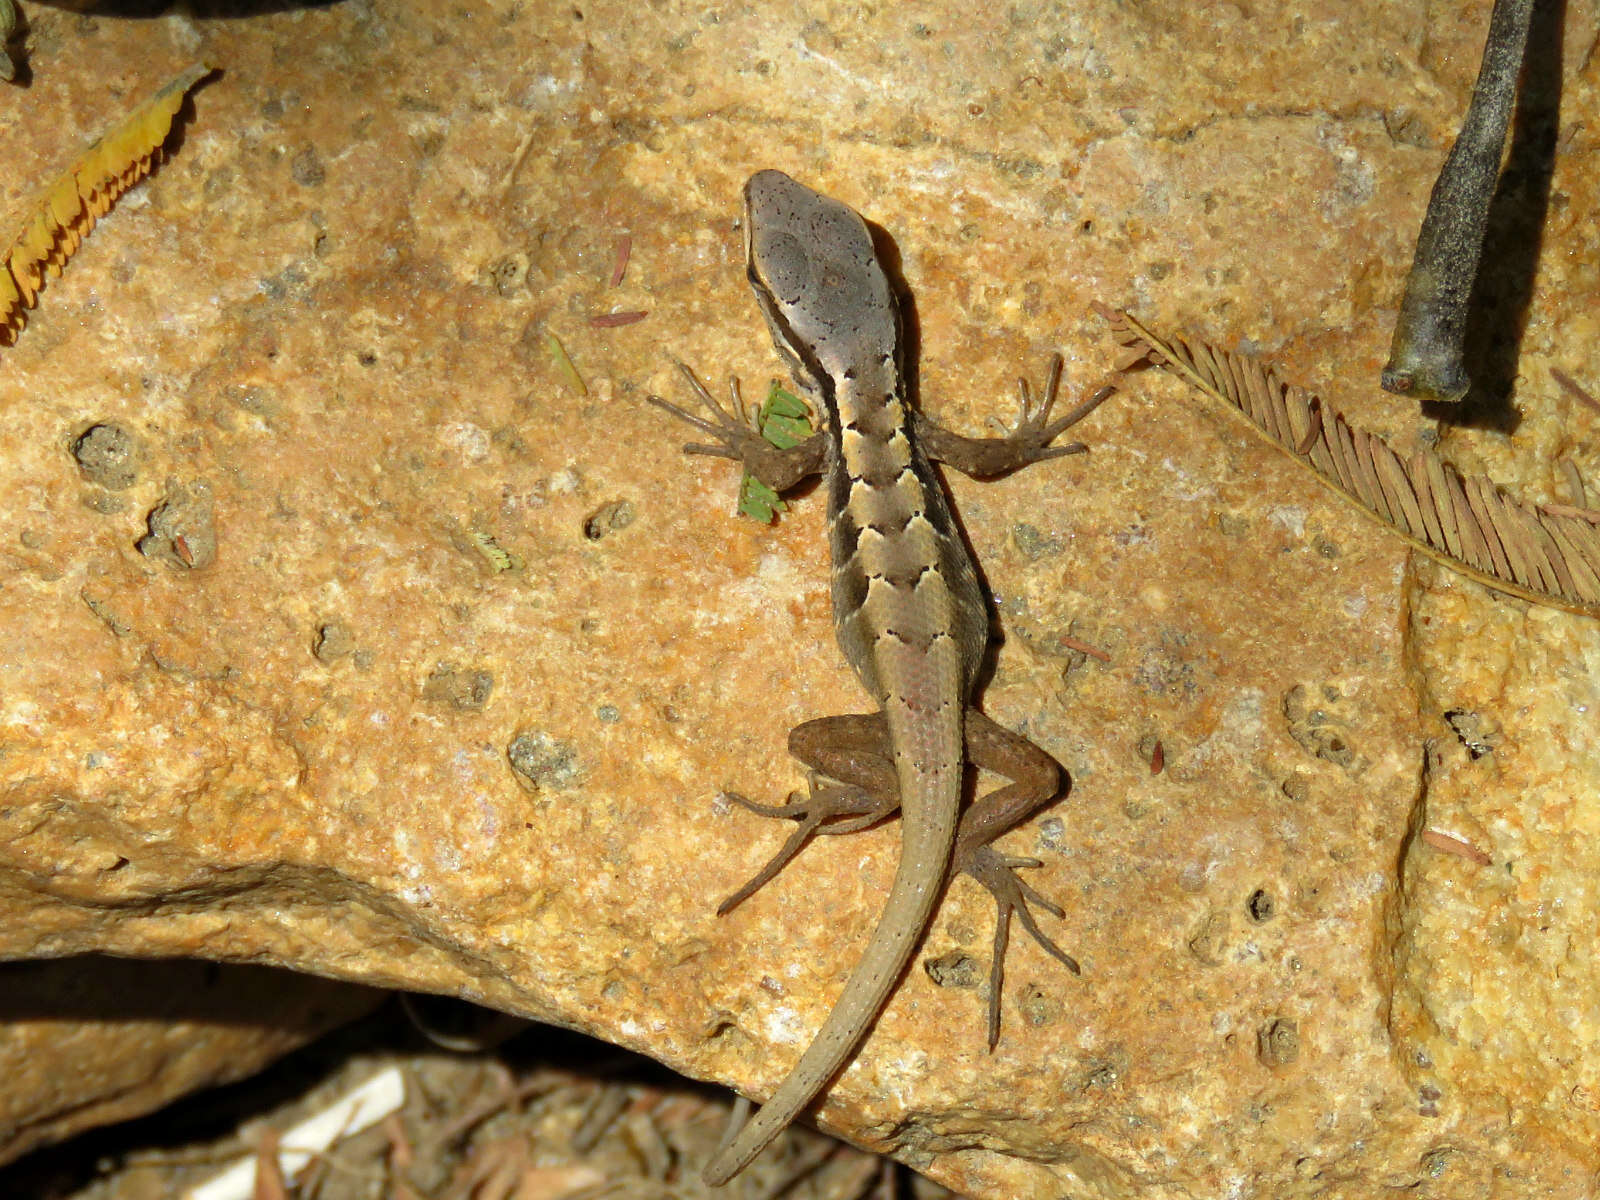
(757, 501)
(785, 421)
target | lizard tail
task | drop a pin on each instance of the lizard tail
(927, 838)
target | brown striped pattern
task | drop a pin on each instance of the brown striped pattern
(1549, 554)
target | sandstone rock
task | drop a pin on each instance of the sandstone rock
(334, 306)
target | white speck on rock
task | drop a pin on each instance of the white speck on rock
(469, 440)
(1290, 517)
(1187, 488)
(785, 1026)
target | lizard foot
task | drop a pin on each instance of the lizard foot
(734, 431)
(831, 808)
(997, 872)
(737, 437)
(1035, 431)
(1028, 441)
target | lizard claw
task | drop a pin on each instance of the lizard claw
(1035, 432)
(736, 434)
(734, 431)
(793, 807)
(997, 872)
(699, 423)
(831, 808)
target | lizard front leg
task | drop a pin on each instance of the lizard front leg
(854, 786)
(1031, 440)
(737, 438)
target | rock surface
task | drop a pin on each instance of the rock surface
(447, 703)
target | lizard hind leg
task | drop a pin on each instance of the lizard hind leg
(1036, 780)
(853, 786)
(816, 814)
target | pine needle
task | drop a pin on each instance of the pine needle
(1547, 554)
(66, 210)
(564, 363)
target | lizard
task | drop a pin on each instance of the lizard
(909, 612)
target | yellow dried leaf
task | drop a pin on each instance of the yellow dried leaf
(68, 207)
(65, 203)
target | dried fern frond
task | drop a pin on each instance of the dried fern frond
(65, 211)
(1549, 554)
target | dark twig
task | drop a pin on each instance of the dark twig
(1425, 356)
(1573, 389)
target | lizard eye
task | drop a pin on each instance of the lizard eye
(784, 265)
